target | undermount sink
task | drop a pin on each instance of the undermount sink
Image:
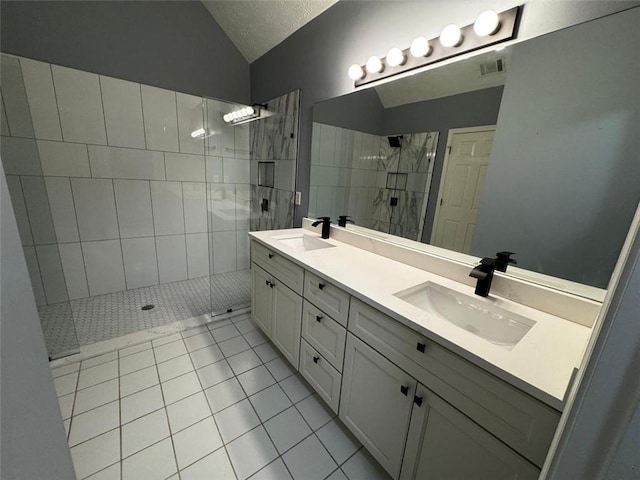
(303, 242)
(498, 326)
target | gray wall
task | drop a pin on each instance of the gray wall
(32, 436)
(565, 154)
(174, 45)
(316, 57)
(361, 111)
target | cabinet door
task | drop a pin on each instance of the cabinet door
(445, 444)
(261, 298)
(286, 322)
(376, 403)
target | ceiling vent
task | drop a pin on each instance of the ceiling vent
(492, 67)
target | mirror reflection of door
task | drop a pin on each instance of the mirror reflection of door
(461, 186)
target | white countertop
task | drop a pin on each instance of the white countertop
(541, 364)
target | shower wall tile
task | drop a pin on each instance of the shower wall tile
(195, 207)
(190, 118)
(4, 121)
(116, 162)
(95, 208)
(34, 275)
(64, 159)
(19, 209)
(242, 249)
(235, 170)
(243, 206)
(133, 203)
(103, 263)
(55, 289)
(62, 209)
(168, 216)
(197, 255)
(20, 156)
(172, 258)
(222, 207)
(242, 141)
(80, 105)
(123, 112)
(214, 169)
(73, 268)
(37, 201)
(160, 118)
(14, 96)
(285, 175)
(186, 168)
(140, 262)
(38, 84)
(327, 147)
(224, 251)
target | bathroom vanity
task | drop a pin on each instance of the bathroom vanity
(434, 381)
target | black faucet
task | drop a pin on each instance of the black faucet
(326, 225)
(484, 271)
(343, 220)
(503, 259)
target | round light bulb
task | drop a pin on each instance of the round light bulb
(420, 47)
(395, 57)
(355, 72)
(374, 65)
(487, 23)
(227, 117)
(451, 36)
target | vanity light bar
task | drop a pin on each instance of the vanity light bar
(490, 28)
(242, 115)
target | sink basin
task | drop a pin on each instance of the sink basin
(303, 242)
(494, 324)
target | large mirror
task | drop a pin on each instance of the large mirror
(532, 149)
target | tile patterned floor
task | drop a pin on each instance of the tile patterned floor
(215, 402)
(116, 314)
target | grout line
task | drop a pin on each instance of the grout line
(55, 96)
(144, 126)
(115, 207)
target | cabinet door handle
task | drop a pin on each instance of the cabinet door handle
(318, 318)
(417, 400)
(321, 286)
(271, 255)
(267, 282)
(404, 390)
(315, 359)
(421, 347)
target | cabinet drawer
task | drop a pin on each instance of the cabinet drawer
(327, 297)
(273, 262)
(324, 334)
(320, 374)
(524, 423)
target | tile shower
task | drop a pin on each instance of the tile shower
(119, 205)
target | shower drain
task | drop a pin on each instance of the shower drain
(148, 307)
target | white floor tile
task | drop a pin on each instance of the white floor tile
(280, 368)
(155, 462)
(243, 361)
(233, 346)
(267, 352)
(96, 454)
(219, 324)
(236, 420)
(143, 432)
(174, 367)
(295, 388)
(141, 403)
(315, 411)
(206, 356)
(287, 429)
(363, 467)
(269, 402)
(222, 333)
(245, 326)
(250, 452)
(214, 373)
(94, 422)
(194, 331)
(109, 473)
(217, 462)
(274, 471)
(95, 396)
(66, 405)
(340, 443)
(169, 350)
(309, 460)
(98, 374)
(139, 380)
(180, 387)
(196, 342)
(64, 370)
(337, 475)
(188, 411)
(255, 380)
(168, 339)
(134, 349)
(66, 384)
(195, 442)
(92, 362)
(255, 338)
(137, 361)
(224, 394)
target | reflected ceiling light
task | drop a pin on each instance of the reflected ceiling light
(374, 65)
(199, 133)
(395, 57)
(451, 36)
(244, 114)
(355, 72)
(420, 47)
(487, 23)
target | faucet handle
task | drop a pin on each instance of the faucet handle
(343, 220)
(503, 259)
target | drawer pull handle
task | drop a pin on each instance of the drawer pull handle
(404, 390)
(421, 347)
(315, 359)
(271, 255)
(267, 282)
(271, 284)
(417, 400)
(321, 286)
(318, 318)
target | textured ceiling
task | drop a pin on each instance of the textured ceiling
(256, 26)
